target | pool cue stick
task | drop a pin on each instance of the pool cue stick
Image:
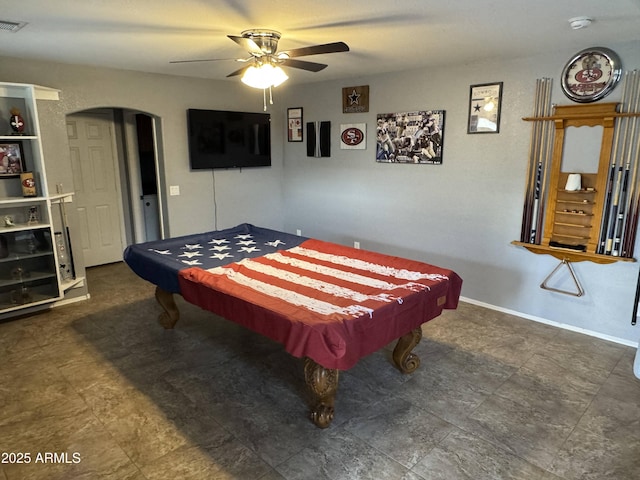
(632, 161)
(546, 155)
(539, 168)
(631, 222)
(602, 239)
(614, 212)
(621, 176)
(525, 208)
(66, 231)
(607, 209)
(619, 219)
(535, 175)
(636, 301)
(528, 199)
(534, 204)
(631, 219)
(610, 181)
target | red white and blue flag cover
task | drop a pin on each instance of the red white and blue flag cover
(332, 303)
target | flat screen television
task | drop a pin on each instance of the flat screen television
(224, 139)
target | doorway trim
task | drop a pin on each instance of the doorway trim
(133, 178)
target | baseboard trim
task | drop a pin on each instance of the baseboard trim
(67, 301)
(602, 336)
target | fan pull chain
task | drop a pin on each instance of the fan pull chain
(264, 98)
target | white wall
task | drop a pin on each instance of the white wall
(464, 213)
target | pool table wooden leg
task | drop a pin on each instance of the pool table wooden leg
(171, 314)
(406, 361)
(323, 385)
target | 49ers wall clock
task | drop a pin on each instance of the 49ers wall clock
(591, 74)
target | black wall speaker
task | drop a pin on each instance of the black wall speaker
(318, 139)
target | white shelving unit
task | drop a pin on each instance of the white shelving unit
(29, 272)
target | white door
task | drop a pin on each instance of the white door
(97, 184)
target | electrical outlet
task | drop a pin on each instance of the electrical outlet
(356, 244)
(299, 232)
(174, 190)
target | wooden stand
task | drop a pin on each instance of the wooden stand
(170, 315)
(323, 386)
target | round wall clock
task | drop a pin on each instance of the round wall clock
(591, 74)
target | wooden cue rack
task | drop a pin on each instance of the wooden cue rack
(573, 218)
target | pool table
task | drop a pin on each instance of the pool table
(326, 303)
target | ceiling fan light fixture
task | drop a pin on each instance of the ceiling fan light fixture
(264, 76)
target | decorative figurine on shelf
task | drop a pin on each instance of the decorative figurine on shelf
(28, 184)
(33, 217)
(16, 121)
(8, 221)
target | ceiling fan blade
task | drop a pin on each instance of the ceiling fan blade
(303, 65)
(389, 20)
(247, 44)
(238, 72)
(208, 60)
(317, 49)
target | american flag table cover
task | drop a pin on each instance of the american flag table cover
(331, 303)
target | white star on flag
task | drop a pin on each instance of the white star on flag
(244, 236)
(191, 262)
(249, 249)
(218, 241)
(221, 256)
(161, 252)
(246, 242)
(220, 248)
(275, 243)
(193, 247)
(190, 254)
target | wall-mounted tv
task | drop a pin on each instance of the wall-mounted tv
(223, 139)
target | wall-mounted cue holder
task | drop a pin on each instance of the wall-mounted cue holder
(591, 215)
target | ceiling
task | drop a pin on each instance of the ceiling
(383, 35)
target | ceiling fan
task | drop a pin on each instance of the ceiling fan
(262, 45)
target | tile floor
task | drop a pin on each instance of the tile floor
(114, 396)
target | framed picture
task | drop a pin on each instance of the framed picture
(485, 103)
(353, 136)
(11, 159)
(410, 137)
(294, 124)
(355, 99)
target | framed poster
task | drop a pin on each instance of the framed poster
(485, 103)
(294, 124)
(410, 137)
(11, 159)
